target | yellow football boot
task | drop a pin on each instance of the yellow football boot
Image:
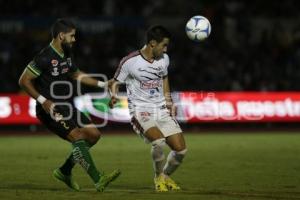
(171, 184)
(160, 184)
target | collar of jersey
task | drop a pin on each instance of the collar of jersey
(60, 54)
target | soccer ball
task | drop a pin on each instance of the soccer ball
(198, 28)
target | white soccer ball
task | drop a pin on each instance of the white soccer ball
(198, 28)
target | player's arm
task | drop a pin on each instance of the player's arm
(25, 82)
(119, 78)
(88, 80)
(113, 87)
(168, 97)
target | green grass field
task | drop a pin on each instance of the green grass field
(218, 166)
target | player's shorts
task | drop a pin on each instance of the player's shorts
(145, 118)
(63, 121)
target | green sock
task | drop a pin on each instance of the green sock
(82, 156)
(67, 167)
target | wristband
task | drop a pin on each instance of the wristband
(41, 99)
(101, 84)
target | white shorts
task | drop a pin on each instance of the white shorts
(144, 119)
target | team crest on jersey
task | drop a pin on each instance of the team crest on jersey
(55, 72)
(152, 92)
(145, 116)
(159, 68)
(69, 61)
(57, 117)
(54, 62)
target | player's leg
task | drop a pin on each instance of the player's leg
(175, 140)
(81, 142)
(157, 140)
(153, 135)
(81, 153)
(62, 129)
(92, 135)
(157, 149)
(178, 150)
(88, 136)
(67, 166)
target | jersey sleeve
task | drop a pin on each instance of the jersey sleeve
(36, 66)
(122, 71)
(167, 62)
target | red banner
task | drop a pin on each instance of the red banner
(240, 106)
(17, 109)
(193, 107)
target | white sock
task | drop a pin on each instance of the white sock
(158, 156)
(173, 161)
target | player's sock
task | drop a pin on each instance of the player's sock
(68, 165)
(158, 155)
(82, 156)
(173, 161)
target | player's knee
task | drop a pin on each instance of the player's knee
(157, 150)
(94, 138)
(182, 152)
(179, 147)
(75, 135)
(92, 135)
(158, 143)
(95, 134)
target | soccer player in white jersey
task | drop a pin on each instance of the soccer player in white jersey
(145, 73)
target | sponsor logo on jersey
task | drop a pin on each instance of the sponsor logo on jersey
(64, 70)
(54, 62)
(55, 72)
(151, 84)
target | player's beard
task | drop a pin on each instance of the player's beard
(67, 47)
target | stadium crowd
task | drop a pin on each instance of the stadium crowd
(254, 46)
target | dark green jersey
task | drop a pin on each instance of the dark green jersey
(53, 71)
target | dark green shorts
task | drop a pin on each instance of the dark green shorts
(63, 121)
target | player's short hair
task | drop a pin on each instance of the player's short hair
(62, 25)
(157, 33)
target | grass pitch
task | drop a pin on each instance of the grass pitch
(217, 166)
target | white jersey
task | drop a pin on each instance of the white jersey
(144, 80)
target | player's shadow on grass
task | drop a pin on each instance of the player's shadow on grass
(130, 189)
(134, 189)
(31, 187)
(244, 194)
